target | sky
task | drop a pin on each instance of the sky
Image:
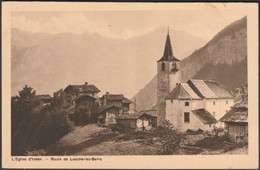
(127, 24)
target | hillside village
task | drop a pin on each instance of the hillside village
(200, 110)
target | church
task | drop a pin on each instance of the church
(193, 105)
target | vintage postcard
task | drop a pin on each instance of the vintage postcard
(130, 85)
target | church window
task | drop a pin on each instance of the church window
(186, 117)
(214, 103)
(171, 101)
(214, 114)
(187, 104)
(163, 66)
(226, 102)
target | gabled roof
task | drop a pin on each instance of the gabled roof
(104, 108)
(183, 91)
(209, 89)
(44, 97)
(125, 100)
(218, 89)
(135, 115)
(113, 97)
(204, 116)
(85, 97)
(150, 112)
(168, 54)
(236, 115)
(82, 88)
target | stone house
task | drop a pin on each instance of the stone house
(72, 92)
(236, 121)
(139, 121)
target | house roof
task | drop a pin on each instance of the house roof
(82, 88)
(43, 97)
(135, 115)
(150, 112)
(113, 97)
(125, 100)
(236, 115)
(208, 89)
(168, 53)
(204, 116)
(183, 91)
(104, 108)
(85, 97)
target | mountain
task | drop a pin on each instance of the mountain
(49, 62)
(223, 59)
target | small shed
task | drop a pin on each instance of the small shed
(138, 121)
(107, 114)
(236, 122)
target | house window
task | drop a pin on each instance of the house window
(186, 117)
(214, 103)
(171, 101)
(214, 114)
(209, 125)
(163, 66)
(187, 104)
(226, 102)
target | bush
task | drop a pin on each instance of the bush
(169, 138)
(216, 131)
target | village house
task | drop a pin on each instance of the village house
(117, 100)
(111, 106)
(72, 92)
(107, 114)
(85, 104)
(196, 104)
(144, 120)
(45, 99)
(236, 121)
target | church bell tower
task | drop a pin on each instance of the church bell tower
(168, 76)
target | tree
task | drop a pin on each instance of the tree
(169, 138)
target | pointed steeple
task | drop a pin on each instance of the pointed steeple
(168, 54)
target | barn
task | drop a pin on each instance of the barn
(236, 122)
(138, 121)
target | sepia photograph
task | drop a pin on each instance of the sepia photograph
(89, 83)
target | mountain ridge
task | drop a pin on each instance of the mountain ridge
(50, 62)
(224, 54)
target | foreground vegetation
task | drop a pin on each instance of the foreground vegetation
(35, 127)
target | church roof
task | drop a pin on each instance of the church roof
(204, 116)
(199, 89)
(183, 91)
(209, 89)
(168, 53)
